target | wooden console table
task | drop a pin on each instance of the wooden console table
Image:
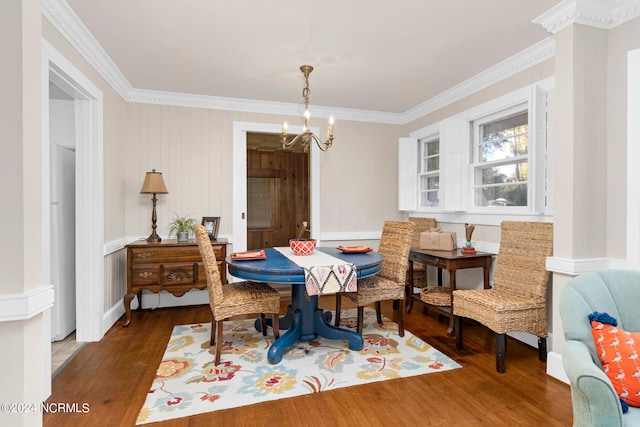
(168, 266)
(450, 261)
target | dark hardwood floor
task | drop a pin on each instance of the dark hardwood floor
(113, 376)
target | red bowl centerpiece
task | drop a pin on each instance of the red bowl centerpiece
(302, 247)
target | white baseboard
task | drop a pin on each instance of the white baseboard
(554, 367)
(111, 316)
(529, 339)
(554, 360)
(153, 301)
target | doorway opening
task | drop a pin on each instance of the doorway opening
(239, 178)
(62, 190)
(278, 201)
(86, 107)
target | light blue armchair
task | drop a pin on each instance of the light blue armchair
(616, 292)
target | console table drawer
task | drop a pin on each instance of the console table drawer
(175, 274)
(178, 254)
(145, 275)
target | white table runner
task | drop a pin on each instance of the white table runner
(324, 273)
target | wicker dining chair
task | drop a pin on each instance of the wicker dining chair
(234, 298)
(419, 269)
(518, 300)
(389, 283)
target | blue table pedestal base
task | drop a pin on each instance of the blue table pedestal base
(307, 321)
(284, 321)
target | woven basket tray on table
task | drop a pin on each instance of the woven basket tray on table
(436, 295)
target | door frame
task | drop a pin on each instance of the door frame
(89, 192)
(239, 179)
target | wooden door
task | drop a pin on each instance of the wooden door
(277, 192)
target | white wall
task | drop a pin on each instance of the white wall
(21, 194)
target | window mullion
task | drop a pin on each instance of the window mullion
(501, 162)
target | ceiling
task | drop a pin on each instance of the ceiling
(372, 55)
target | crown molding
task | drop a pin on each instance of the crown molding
(603, 14)
(69, 25)
(529, 57)
(254, 106)
(600, 13)
(74, 31)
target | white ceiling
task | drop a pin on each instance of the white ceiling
(376, 55)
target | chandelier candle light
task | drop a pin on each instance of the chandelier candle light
(306, 136)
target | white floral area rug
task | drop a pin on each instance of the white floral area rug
(188, 383)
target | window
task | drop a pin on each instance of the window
(260, 202)
(490, 160)
(429, 172)
(501, 159)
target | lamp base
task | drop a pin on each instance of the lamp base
(154, 238)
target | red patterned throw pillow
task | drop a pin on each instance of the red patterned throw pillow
(618, 352)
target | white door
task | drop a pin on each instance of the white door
(63, 240)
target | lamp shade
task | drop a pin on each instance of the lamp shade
(153, 183)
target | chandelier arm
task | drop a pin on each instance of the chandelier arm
(315, 138)
(324, 146)
(295, 139)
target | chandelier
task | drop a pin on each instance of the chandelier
(307, 136)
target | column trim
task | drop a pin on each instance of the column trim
(575, 267)
(15, 307)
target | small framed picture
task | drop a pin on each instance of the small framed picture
(211, 223)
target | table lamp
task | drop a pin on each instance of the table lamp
(153, 184)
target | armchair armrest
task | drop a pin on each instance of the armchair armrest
(595, 402)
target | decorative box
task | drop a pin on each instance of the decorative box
(438, 240)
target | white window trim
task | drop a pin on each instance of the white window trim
(407, 174)
(454, 144)
(456, 179)
(423, 156)
(429, 133)
(476, 163)
(536, 97)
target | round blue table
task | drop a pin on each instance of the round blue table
(303, 319)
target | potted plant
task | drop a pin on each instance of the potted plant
(181, 226)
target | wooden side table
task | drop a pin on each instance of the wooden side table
(450, 261)
(168, 266)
